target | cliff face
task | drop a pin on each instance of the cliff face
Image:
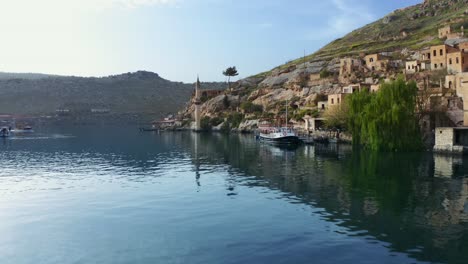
(304, 82)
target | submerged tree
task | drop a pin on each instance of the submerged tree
(230, 72)
(386, 120)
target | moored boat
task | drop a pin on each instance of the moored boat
(25, 129)
(279, 135)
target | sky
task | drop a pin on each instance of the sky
(177, 39)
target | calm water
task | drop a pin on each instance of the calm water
(113, 195)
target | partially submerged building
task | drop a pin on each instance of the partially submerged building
(451, 140)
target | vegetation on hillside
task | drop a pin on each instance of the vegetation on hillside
(411, 28)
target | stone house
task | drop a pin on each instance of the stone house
(444, 31)
(463, 46)
(439, 56)
(352, 88)
(451, 139)
(457, 61)
(412, 66)
(374, 88)
(336, 99)
(348, 65)
(425, 54)
(322, 105)
(376, 62)
(459, 82)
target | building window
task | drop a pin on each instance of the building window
(371, 60)
(435, 53)
(323, 106)
(373, 68)
(457, 60)
(435, 66)
(441, 65)
(450, 61)
(441, 52)
(333, 101)
(338, 100)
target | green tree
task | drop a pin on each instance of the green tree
(230, 72)
(386, 120)
(336, 116)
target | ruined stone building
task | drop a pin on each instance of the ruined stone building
(376, 62)
(444, 31)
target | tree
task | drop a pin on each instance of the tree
(386, 120)
(336, 116)
(230, 72)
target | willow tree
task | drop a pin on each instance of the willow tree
(386, 120)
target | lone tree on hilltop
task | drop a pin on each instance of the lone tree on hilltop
(230, 72)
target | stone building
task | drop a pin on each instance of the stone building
(348, 65)
(376, 62)
(451, 139)
(412, 66)
(457, 61)
(374, 88)
(444, 32)
(322, 105)
(336, 99)
(459, 82)
(439, 56)
(463, 46)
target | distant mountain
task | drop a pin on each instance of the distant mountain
(27, 76)
(140, 92)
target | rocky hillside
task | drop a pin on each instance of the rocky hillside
(140, 92)
(406, 29)
(304, 82)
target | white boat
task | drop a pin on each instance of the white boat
(279, 135)
(4, 132)
(25, 129)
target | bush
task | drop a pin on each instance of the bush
(215, 121)
(250, 107)
(324, 74)
(235, 119)
(301, 113)
(205, 124)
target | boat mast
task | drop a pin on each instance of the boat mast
(286, 113)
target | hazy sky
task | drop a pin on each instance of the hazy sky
(176, 38)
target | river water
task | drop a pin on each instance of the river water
(114, 195)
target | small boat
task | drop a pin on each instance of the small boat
(25, 129)
(4, 132)
(148, 129)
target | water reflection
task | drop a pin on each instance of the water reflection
(413, 203)
(417, 202)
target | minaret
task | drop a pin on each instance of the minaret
(197, 103)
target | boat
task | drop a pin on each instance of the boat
(279, 135)
(4, 132)
(25, 129)
(148, 129)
